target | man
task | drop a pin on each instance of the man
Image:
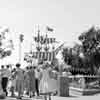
(19, 80)
(2, 93)
(26, 80)
(37, 80)
(5, 77)
(32, 88)
(13, 81)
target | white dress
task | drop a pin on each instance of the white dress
(46, 83)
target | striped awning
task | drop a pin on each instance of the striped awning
(44, 55)
(49, 56)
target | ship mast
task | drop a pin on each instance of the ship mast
(44, 47)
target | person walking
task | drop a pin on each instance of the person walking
(19, 81)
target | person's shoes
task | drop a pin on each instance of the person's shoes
(27, 93)
(37, 94)
(30, 96)
(19, 97)
(6, 93)
(33, 95)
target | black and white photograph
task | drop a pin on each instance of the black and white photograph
(49, 49)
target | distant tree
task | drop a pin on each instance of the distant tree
(6, 44)
(91, 46)
(90, 49)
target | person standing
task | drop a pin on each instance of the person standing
(26, 80)
(2, 72)
(32, 88)
(2, 93)
(19, 81)
(45, 80)
(13, 82)
(37, 73)
(5, 77)
(48, 84)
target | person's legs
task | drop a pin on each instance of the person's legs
(45, 97)
(4, 84)
(37, 88)
(27, 88)
(12, 91)
(21, 89)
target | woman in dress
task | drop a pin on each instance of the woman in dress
(47, 84)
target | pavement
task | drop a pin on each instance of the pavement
(92, 97)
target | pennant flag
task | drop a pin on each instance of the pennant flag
(49, 29)
(11, 44)
(41, 55)
(6, 30)
(21, 37)
(38, 37)
(49, 56)
(35, 38)
(48, 40)
(59, 48)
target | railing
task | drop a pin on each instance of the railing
(79, 84)
(86, 81)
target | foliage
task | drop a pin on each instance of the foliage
(91, 45)
(7, 46)
(90, 48)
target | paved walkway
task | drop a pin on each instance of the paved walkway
(94, 97)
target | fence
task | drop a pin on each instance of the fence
(84, 85)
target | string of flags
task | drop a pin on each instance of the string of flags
(44, 40)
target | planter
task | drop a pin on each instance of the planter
(79, 91)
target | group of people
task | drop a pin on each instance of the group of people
(31, 81)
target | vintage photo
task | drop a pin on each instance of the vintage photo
(49, 49)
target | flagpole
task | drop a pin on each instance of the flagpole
(38, 42)
(20, 51)
(21, 38)
(31, 52)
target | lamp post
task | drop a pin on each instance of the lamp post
(21, 38)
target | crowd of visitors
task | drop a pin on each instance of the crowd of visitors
(31, 81)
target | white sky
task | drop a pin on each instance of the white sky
(68, 17)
